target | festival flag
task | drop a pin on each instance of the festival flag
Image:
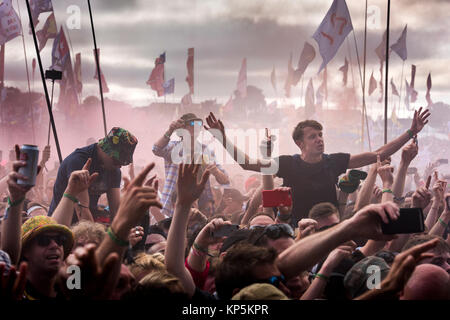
(273, 79)
(10, 26)
(60, 51)
(186, 101)
(68, 99)
(38, 7)
(228, 107)
(289, 78)
(310, 108)
(381, 49)
(372, 84)
(105, 88)
(394, 88)
(49, 31)
(156, 79)
(190, 70)
(400, 46)
(333, 30)
(33, 66)
(322, 92)
(242, 79)
(77, 70)
(169, 86)
(428, 95)
(344, 70)
(307, 56)
(413, 92)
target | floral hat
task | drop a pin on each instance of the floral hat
(119, 144)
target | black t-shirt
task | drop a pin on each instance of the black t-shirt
(311, 183)
(106, 180)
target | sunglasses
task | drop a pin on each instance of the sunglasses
(275, 280)
(44, 240)
(275, 231)
(192, 123)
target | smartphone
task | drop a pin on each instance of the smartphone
(442, 161)
(225, 230)
(410, 221)
(276, 198)
(411, 170)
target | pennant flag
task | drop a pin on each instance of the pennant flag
(394, 88)
(381, 82)
(190, 70)
(273, 79)
(344, 70)
(228, 107)
(105, 88)
(413, 92)
(381, 49)
(400, 46)
(38, 7)
(169, 86)
(49, 31)
(310, 107)
(428, 95)
(78, 78)
(186, 101)
(307, 56)
(242, 79)
(289, 78)
(60, 51)
(156, 79)
(336, 25)
(10, 26)
(372, 84)
(68, 99)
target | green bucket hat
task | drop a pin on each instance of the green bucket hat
(350, 182)
(119, 144)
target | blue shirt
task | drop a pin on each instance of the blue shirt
(106, 180)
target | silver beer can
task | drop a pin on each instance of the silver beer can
(30, 154)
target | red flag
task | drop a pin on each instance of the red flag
(242, 79)
(60, 51)
(428, 95)
(78, 79)
(190, 70)
(49, 31)
(307, 56)
(156, 79)
(68, 99)
(105, 88)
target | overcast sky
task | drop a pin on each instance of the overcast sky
(132, 33)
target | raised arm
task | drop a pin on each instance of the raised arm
(364, 159)
(439, 188)
(365, 193)
(443, 221)
(408, 154)
(188, 190)
(159, 148)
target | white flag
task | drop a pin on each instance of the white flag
(242, 79)
(9, 22)
(400, 46)
(336, 25)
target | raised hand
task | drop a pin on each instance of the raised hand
(81, 180)
(205, 238)
(385, 173)
(188, 189)
(45, 155)
(16, 191)
(306, 227)
(409, 153)
(421, 198)
(439, 188)
(136, 235)
(12, 283)
(215, 124)
(419, 120)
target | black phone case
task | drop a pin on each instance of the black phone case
(225, 230)
(410, 221)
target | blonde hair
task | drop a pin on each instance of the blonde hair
(89, 230)
(146, 263)
(162, 279)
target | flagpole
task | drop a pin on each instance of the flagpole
(387, 72)
(364, 113)
(28, 76)
(401, 86)
(52, 120)
(2, 75)
(98, 67)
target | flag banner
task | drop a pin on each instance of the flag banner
(190, 70)
(68, 99)
(273, 79)
(310, 108)
(156, 79)
(413, 93)
(242, 79)
(381, 49)
(38, 7)
(322, 92)
(307, 56)
(10, 26)
(394, 88)
(49, 31)
(428, 95)
(400, 46)
(344, 70)
(372, 84)
(334, 28)
(290, 75)
(78, 78)
(60, 51)
(105, 88)
(169, 86)
(186, 101)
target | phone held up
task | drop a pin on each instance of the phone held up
(411, 220)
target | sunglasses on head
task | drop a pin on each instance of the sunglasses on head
(275, 231)
(192, 123)
(44, 240)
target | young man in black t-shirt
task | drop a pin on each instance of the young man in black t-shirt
(312, 175)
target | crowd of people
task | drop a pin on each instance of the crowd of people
(197, 232)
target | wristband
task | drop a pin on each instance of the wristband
(15, 203)
(442, 222)
(166, 135)
(200, 249)
(116, 239)
(71, 197)
(386, 190)
(410, 133)
(319, 275)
